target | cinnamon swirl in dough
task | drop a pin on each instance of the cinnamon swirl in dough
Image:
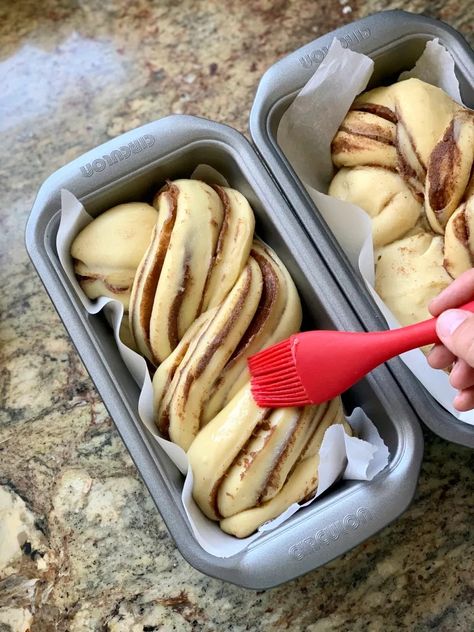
(449, 168)
(459, 239)
(199, 247)
(406, 155)
(210, 364)
(417, 131)
(250, 463)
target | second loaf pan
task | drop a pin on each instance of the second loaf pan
(394, 40)
(172, 148)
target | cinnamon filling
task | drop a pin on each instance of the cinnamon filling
(224, 198)
(270, 290)
(355, 143)
(157, 255)
(379, 110)
(263, 424)
(219, 339)
(115, 289)
(173, 316)
(444, 160)
(413, 177)
(220, 239)
(461, 228)
(379, 138)
(273, 476)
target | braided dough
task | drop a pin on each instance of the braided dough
(405, 154)
(205, 296)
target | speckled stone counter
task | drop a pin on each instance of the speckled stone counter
(82, 546)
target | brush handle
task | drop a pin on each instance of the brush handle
(393, 342)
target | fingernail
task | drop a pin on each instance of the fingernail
(449, 321)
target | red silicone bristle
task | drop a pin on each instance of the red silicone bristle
(275, 383)
(275, 377)
(277, 355)
(268, 399)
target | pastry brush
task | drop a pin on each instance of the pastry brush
(314, 366)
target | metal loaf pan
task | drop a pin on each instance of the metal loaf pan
(394, 40)
(172, 148)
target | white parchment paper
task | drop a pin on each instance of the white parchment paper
(305, 134)
(341, 455)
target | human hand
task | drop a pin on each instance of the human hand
(455, 329)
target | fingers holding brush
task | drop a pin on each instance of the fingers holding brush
(455, 329)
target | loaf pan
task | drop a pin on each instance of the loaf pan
(172, 148)
(394, 40)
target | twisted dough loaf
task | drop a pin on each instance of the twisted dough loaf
(206, 296)
(406, 154)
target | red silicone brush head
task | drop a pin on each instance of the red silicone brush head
(274, 381)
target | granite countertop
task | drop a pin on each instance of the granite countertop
(82, 546)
